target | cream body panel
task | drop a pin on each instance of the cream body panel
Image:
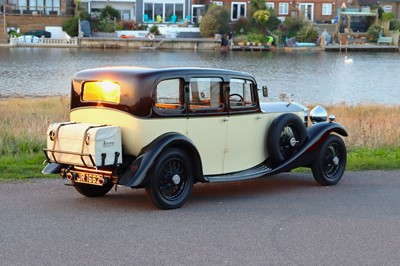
(246, 141)
(209, 135)
(136, 133)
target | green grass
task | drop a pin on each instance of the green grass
(30, 165)
(22, 166)
(374, 159)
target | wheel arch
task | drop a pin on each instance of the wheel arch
(137, 173)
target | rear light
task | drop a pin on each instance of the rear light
(101, 91)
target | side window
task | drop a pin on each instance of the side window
(205, 93)
(169, 96)
(241, 94)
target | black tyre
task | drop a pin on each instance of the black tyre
(286, 135)
(94, 191)
(171, 180)
(330, 163)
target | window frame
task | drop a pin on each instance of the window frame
(327, 9)
(165, 111)
(283, 8)
(252, 93)
(206, 109)
(238, 14)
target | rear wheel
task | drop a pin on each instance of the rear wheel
(286, 135)
(171, 180)
(330, 163)
(93, 191)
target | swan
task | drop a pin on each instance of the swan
(348, 60)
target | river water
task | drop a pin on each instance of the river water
(312, 77)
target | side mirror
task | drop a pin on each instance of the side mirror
(265, 91)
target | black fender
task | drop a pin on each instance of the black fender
(136, 173)
(316, 134)
(52, 168)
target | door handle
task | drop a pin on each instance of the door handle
(258, 117)
(226, 119)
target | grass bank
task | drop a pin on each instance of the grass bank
(372, 143)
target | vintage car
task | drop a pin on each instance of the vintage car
(164, 129)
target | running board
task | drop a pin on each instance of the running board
(257, 171)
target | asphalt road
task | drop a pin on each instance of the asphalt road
(284, 220)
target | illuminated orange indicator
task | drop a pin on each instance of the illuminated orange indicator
(101, 91)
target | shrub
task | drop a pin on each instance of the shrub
(261, 17)
(70, 26)
(154, 30)
(273, 22)
(387, 16)
(106, 25)
(307, 34)
(394, 24)
(208, 26)
(373, 33)
(215, 21)
(242, 25)
(293, 24)
(110, 12)
(240, 38)
(131, 25)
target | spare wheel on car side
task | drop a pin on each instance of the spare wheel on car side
(286, 135)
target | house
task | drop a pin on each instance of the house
(34, 7)
(145, 10)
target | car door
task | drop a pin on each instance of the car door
(246, 127)
(206, 123)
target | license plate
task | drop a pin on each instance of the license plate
(89, 178)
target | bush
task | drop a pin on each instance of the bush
(216, 20)
(240, 38)
(261, 17)
(208, 26)
(154, 30)
(307, 34)
(273, 22)
(131, 25)
(373, 33)
(70, 26)
(387, 16)
(394, 24)
(242, 25)
(105, 25)
(293, 25)
(110, 13)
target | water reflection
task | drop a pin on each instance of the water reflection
(311, 76)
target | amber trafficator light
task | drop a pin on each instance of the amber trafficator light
(101, 91)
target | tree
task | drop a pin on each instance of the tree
(261, 17)
(256, 5)
(110, 13)
(216, 20)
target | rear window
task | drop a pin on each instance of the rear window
(169, 96)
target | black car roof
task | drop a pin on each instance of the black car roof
(147, 71)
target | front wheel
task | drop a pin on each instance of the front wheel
(330, 163)
(94, 191)
(171, 180)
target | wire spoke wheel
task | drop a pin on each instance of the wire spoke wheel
(171, 180)
(330, 162)
(289, 141)
(286, 135)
